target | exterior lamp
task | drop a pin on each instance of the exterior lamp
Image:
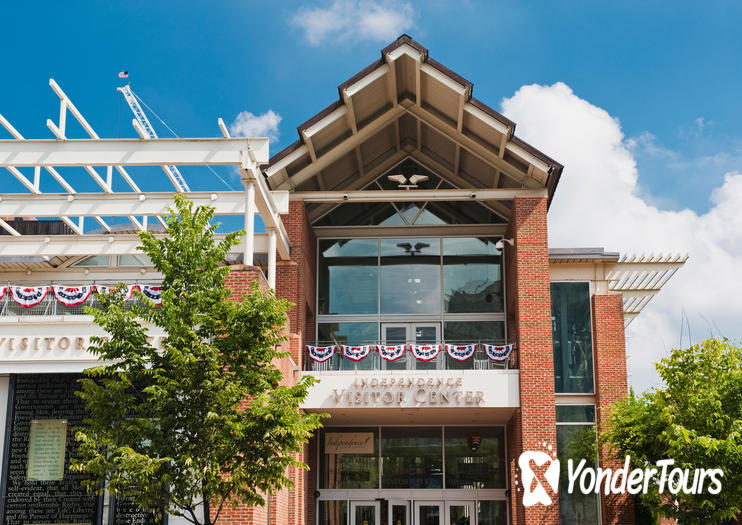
(500, 245)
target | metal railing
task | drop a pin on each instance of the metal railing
(478, 361)
(49, 306)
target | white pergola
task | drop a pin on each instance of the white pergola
(640, 277)
(100, 158)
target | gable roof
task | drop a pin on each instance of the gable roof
(407, 105)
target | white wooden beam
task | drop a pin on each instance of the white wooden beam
(123, 204)
(474, 194)
(107, 244)
(346, 146)
(129, 152)
(475, 148)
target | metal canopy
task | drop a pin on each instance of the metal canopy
(99, 158)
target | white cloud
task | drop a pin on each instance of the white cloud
(599, 203)
(345, 20)
(248, 125)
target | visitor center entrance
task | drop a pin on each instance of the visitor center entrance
(412, 475)
(424, 513)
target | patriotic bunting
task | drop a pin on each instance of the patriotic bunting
(425, 352)
(461, 352)
(153, 293)
(2, 291)
(321, 353)
(391, 352)
(28, 297)
(127, 293)
(356, 353)
(72, 296)
(498, 353)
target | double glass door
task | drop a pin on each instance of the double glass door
(415, 333)
(399, 512)
(447, 513)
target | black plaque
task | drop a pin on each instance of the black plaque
(40, 397)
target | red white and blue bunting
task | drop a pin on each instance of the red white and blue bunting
(356, 353)
(72, 296)
(498, 353)
(391, 352)
(2, 291)
(127, 292)
(461, 352)
(425, 352)
(28, 296)
(321, 353)
(153, 293)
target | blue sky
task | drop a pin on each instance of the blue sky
(639, 99)
(666, 70)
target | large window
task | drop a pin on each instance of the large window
(348, 276)
(454, 282)
(576, 440)
(474, 458)
(471, 276)
(572, 336)
(410, 276)
(413, 458)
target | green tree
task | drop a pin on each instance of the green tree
(695, 418)
(200, 422)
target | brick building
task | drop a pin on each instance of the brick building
(448, 338)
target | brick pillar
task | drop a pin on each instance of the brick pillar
(295, 278)
(610, 383)
(529, 324)
(239, 280)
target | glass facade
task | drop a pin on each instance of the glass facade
(413, 458)
(572, 336)
(454, 283)
(576, 440)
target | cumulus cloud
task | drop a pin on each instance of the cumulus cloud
(344, 20)
(598, 203)
(248, 125)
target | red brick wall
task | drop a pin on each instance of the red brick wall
(610, 385)
(285, 505)
(529, 324)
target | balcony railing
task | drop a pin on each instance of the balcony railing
(50, 306)
(443, 361)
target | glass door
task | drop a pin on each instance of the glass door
(364, 513)
(399, 512)
(395, 334)
(406, 333)
(428, 513)
(460, 513)
(427, 334)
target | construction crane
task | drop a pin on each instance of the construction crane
(148, 132)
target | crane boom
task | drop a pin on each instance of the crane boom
(172, 171)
